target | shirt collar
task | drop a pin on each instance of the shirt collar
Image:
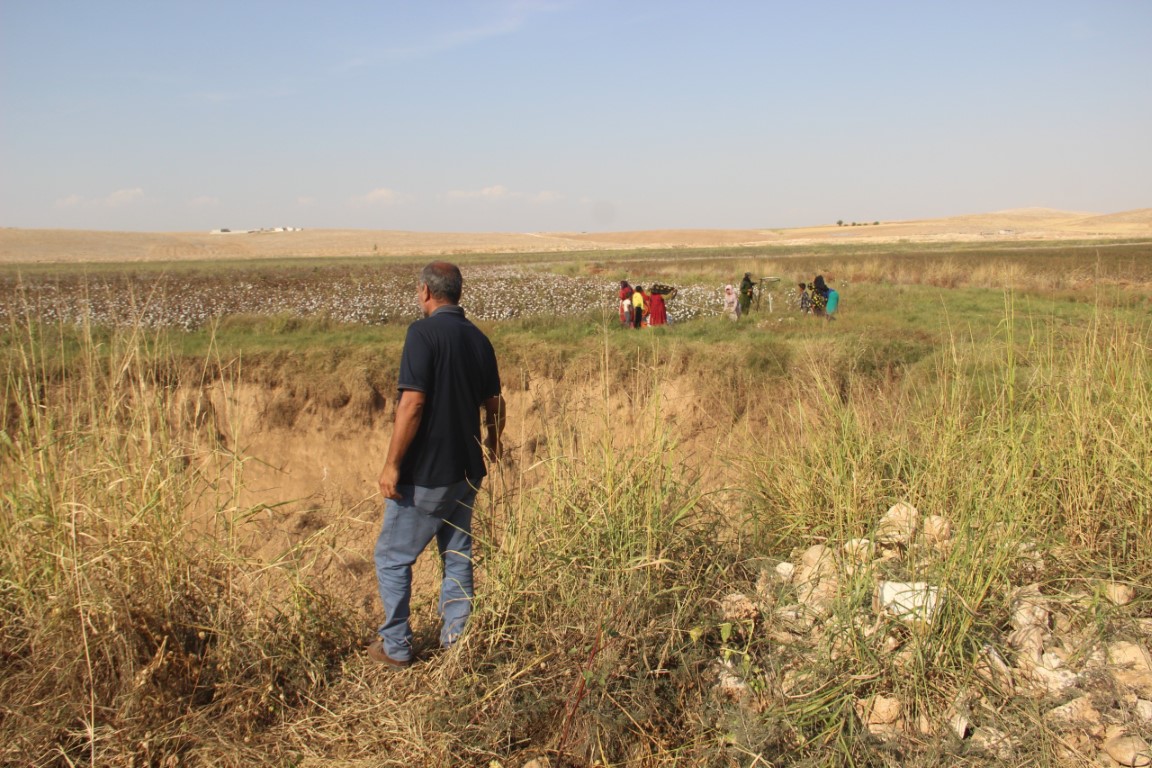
(451, 309)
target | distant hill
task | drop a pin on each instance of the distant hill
(1040, 214)
(1139, 217)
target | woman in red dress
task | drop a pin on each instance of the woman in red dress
(657, 312)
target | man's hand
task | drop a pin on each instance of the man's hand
(409, 411)
(389, 476)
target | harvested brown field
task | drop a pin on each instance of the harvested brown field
(1029, 224)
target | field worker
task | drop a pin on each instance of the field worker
(657, 310)
(746, 286)
(819, 295)
(435, 462)
(833, 301)
(639, 306)
(731, 304)
(625, 304)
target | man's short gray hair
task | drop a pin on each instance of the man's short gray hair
(443, 280)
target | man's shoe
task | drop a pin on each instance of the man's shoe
(376, 653)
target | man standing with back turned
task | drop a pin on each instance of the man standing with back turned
(435, 460)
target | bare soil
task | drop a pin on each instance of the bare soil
(310, 470)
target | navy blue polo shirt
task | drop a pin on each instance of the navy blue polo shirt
(452, 362)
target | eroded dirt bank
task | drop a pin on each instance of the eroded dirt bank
(299, 474)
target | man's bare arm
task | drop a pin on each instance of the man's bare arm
(409, 411)
(494, 423)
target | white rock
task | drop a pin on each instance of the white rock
(765, 589)
(888, 554)
(996, 743)
(937, 531)
(883, 716)
(786, 571)
(886, 731)
(1096, 659)
(898, 524)
(815, 580)
(1029, 642)
(1030, 620)
(1029, 608)
(1131, 667)
(1118, 593)
(818, 594)
(1075, 747)
(730, 683)
(816, 557)
(879, 709)
(796, 618)
(908, 601)
(1046, 674)
(1127, 749)
(959, 723)
(958, 714)
(856, 556)
(1143, 710)
(858, 551)
(1054, 682)
(1078, 713)
(991, 667)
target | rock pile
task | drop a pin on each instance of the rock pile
(812, 610)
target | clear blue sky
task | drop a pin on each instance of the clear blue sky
(567, 115)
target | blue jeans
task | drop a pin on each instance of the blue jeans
(422, 514)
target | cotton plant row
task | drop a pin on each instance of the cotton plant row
(366, 296)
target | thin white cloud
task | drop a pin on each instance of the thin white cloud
(305, 201)
(204, 201)
(123, 197)
(495, 192)
(381, 196)
(508, 19)
(117, 199)
(546, 197)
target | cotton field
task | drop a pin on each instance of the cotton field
(369, 295)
